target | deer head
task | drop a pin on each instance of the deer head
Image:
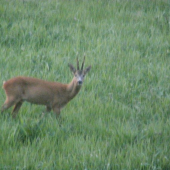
(79, 74)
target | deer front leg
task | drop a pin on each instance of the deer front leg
(56, 110)
(48, 109)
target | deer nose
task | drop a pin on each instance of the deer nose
(80, 82)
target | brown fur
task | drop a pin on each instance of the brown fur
(52, 94)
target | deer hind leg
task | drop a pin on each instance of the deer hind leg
(8, 103)
(16, 109)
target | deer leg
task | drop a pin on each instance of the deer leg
(48, 109)
(8, 103)
(16, 109)
(56, 110)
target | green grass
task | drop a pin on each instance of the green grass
(121, 117)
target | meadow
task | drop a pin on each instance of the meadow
(120, 120)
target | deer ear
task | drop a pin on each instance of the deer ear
(72, 68)
(87, 70)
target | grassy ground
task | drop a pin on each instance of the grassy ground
(120, 119)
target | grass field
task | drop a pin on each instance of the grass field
(120, 120)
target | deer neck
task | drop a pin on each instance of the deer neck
(73, 89)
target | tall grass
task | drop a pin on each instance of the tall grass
(120, 119)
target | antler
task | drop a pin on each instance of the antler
(77, 63)
(83, 63)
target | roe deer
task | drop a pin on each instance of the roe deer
(53, 95)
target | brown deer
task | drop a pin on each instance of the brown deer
(53, 95)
